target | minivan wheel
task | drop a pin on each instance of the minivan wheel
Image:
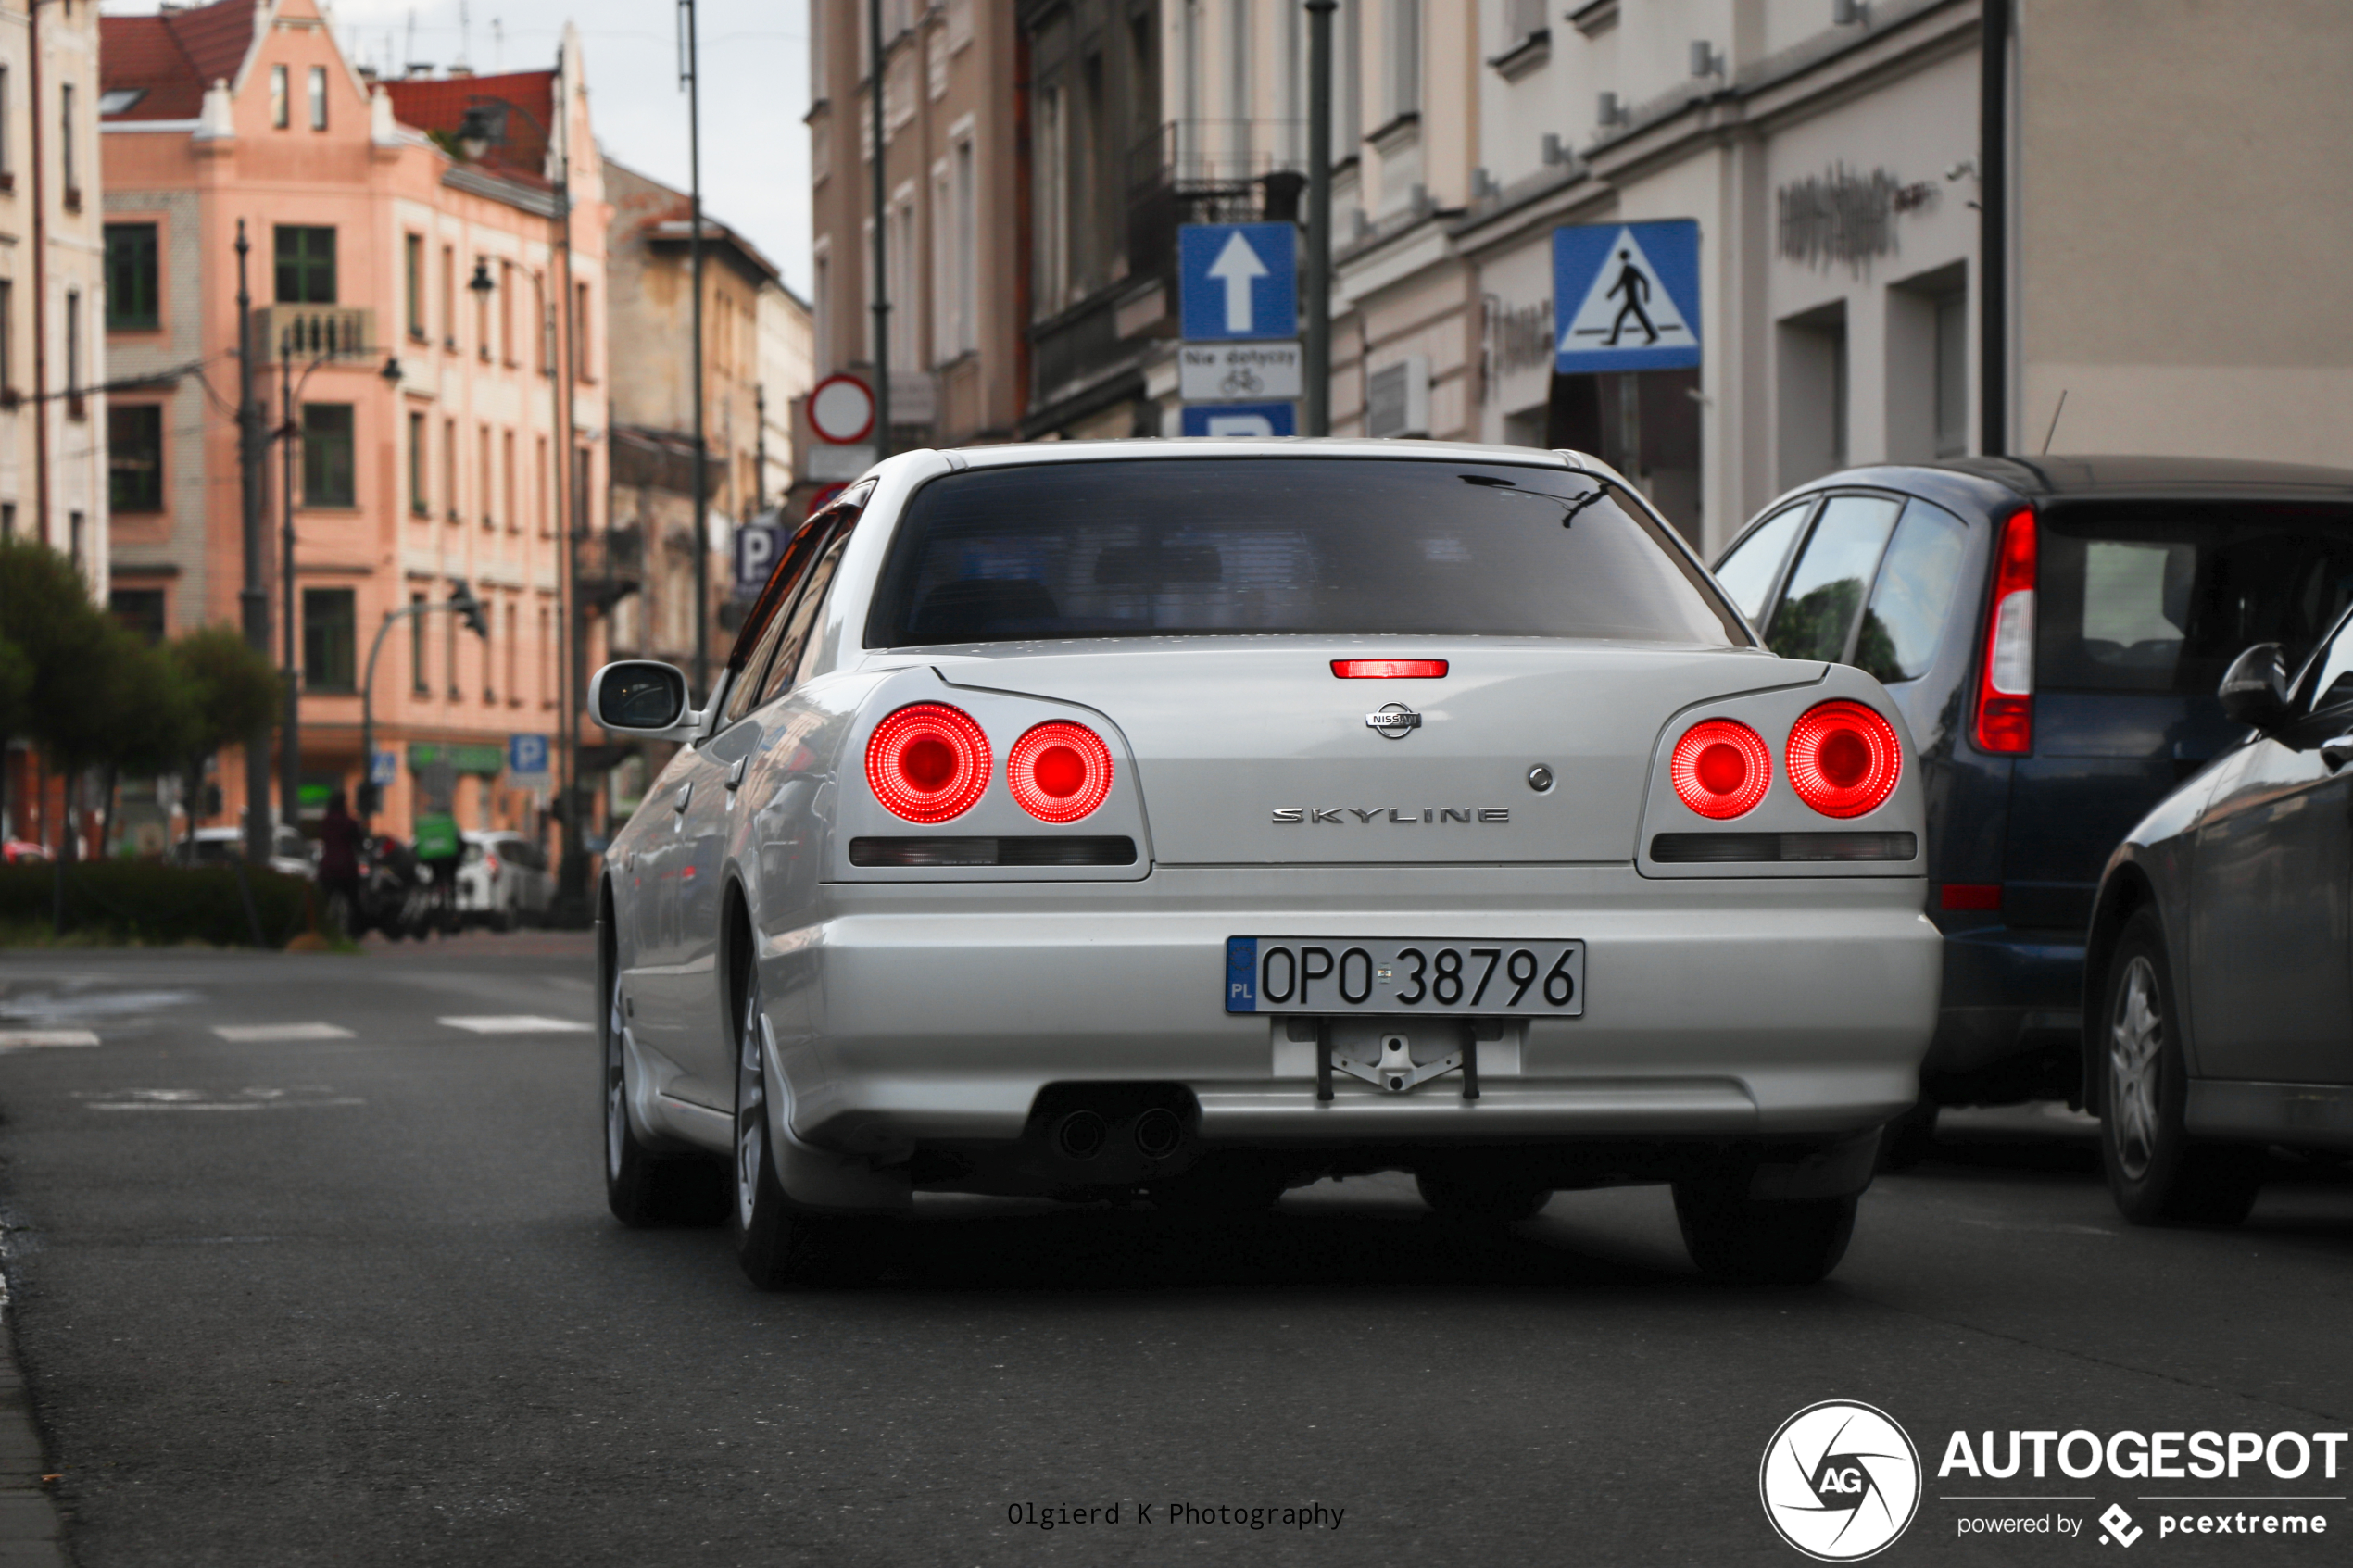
(1740, 1240)
(2156, 1172)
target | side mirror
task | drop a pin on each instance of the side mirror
(2254, 689)
(639, 696)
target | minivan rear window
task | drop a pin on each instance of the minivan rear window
(2161, 596)
(1318, 545)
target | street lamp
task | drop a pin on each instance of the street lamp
(483, 127)
(460, 603)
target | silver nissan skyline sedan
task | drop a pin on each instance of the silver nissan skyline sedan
(1187, 821)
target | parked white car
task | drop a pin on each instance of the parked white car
(1195, 819)
(503, 880)
(290, 852)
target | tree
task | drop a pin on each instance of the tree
(70, 651)
(231, 690)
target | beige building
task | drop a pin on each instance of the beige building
(788, 369)
(53, 296)
(956, 282)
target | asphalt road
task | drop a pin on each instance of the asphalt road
(354, 1300)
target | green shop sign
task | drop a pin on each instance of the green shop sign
(487, 760)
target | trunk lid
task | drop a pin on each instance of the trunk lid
(1249, 752)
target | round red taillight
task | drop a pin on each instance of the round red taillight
(1059, 771)
(1843, 758)
(927, 762)
(1720, 768)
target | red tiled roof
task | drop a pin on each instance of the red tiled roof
(173, 56)
(440, 103)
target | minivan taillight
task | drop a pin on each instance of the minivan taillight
(2005, 676)
(1843, 758)
(927, 762)
(1059, 771)
(1720, 769)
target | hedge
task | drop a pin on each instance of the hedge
(143, 902)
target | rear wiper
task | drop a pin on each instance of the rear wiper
(1602, 486)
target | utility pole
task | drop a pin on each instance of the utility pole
(571, 872)
(759, 448)
(881, 302)
(290, 727)
(1318, 293)
(1993, 230)
(255, 597)
(694, 262)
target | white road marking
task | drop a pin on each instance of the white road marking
(207, 1099)
(29, 1039)
(515, 1024)
(256, 1032)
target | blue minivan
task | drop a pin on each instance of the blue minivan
(2054, 629)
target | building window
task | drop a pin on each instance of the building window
(318, 97)
(1404, 57)
(1952, 376)
(7, 143)
(134, 456)
(546, 493)
(581, 317)
(74, 540)
(489, 631)
(417, 674)
(1052, 239)
(140, 610)
(73, 355)
(278, 96)
(330, 639)
(67, 152)
(514, 680)
(132, 282)
(413, 285)
(506, 312)
(449, 465)
(541, 327)
(7, 519)
(485, 477)
(514, 517)
(327, 478)
(547, 659)
(420, 479)
(449, 297)
(968, 285)
(481, 309)
(305, 259)
(7, 343)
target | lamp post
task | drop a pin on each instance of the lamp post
(254, 600)
(476, 134)
(460, 603)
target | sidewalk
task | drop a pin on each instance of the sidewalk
(31, 1535)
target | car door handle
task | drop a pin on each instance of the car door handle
(2336, 753)
(736, 773)
(685, 793)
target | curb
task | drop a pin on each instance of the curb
(32, 1534)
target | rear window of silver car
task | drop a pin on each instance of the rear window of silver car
(1311, 545)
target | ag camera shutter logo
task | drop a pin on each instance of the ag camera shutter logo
(1840, 1480)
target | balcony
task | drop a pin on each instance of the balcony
(608, 566)
(301, 333)
(1210, 172)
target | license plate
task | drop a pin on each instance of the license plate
(1443, 974)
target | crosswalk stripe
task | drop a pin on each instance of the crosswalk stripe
(248, 1034)
(29, 1039)
(515, 1024)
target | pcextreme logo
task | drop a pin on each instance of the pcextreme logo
(1840, 1480)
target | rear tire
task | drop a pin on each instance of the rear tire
(2156, 1172)
(645, 1190)
(1740, 1240)
(1910, 1139)
(1483, 1199)
(779, 1244)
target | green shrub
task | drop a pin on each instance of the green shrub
(144, 903)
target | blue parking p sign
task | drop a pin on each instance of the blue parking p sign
(526, 754)
(1241, 419)
(757, 546)
(1237, 280)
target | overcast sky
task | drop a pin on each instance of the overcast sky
(755, 88)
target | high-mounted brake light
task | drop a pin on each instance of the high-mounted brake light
(1059, 771)
(1388, 669)
(1843, 758)
(927, 762)
(2006, 679)
(1720, 769)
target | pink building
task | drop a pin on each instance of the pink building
(427, 274)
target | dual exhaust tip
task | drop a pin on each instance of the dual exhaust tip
(1083, 1134)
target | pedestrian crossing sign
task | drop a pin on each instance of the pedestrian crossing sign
(1626, 296)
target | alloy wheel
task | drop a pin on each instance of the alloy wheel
(751, 1111)
(616, 1089)
(2137, 1039)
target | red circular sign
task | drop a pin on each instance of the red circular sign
(842, 411)
(823, 496)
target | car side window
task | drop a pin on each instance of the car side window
(774, 608)
(2332, 685)
(1748, 571)
(792, 652)
(1823, 601)
(1904, 624)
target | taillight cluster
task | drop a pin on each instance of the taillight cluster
(1842, 759)
(2005, 680)
(929, 763)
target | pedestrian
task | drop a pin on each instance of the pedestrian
(339, 863)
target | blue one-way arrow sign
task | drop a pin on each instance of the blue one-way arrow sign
(1237, 280)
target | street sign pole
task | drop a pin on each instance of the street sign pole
(1316, 395)
(881, 301)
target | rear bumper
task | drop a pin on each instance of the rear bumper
(1734, 1009)
(2008, 994)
